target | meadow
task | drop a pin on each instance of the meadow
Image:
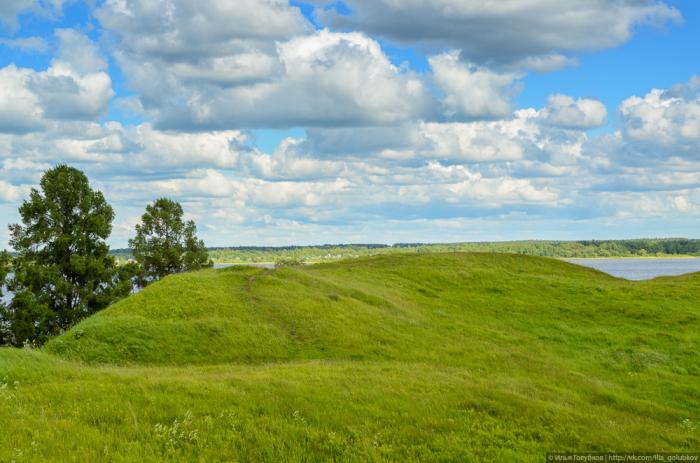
(399, 357)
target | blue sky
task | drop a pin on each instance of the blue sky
(281, 123)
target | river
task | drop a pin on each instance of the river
(642, 268)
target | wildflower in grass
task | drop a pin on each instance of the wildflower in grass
(180, 434)
(298, 418)
(6, 387)
(689, 425)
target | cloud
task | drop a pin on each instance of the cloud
(19, 107)
(183, 30)
(63, 93)
(114, 149)
(682, 204)
(217, 173)
(165, 150)
(503, 31)
(519, 138)
(325, 79)
(27, 44)
(462, 185)
(476, 142)
(173, 51)
(640, 206)
(545, 63)
(290, 162)
(73, 87)
(248, 66)
(471, 91)
(567, 112)
(524, 163)
(332, 198)
(78, 52)
(271, 70)
(664, 123)
(384, 148)
(253, 192)
(9, 193)
(9, 9)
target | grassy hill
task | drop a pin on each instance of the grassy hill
(440, 357)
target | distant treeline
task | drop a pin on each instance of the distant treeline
(330, 252)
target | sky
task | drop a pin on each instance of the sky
(361, 121)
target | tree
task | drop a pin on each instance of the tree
(62, 271)
(5, 261)
(164, 244)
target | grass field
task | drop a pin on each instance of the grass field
(440, 357)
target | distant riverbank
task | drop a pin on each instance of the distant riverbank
(608, 249)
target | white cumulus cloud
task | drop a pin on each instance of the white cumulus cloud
(471, 91)
(503, 31)
(582, 113)
(664, 123)
(75, 86)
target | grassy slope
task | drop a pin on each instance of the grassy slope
(425, 357)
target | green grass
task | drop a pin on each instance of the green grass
(441, 357)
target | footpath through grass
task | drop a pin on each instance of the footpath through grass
(445, 357)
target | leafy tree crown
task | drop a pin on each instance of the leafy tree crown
(63, 270)
(165, 243)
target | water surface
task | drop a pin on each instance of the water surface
(641, 268)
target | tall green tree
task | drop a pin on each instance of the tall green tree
(5, 261)
(62, 271)
(166, 244)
